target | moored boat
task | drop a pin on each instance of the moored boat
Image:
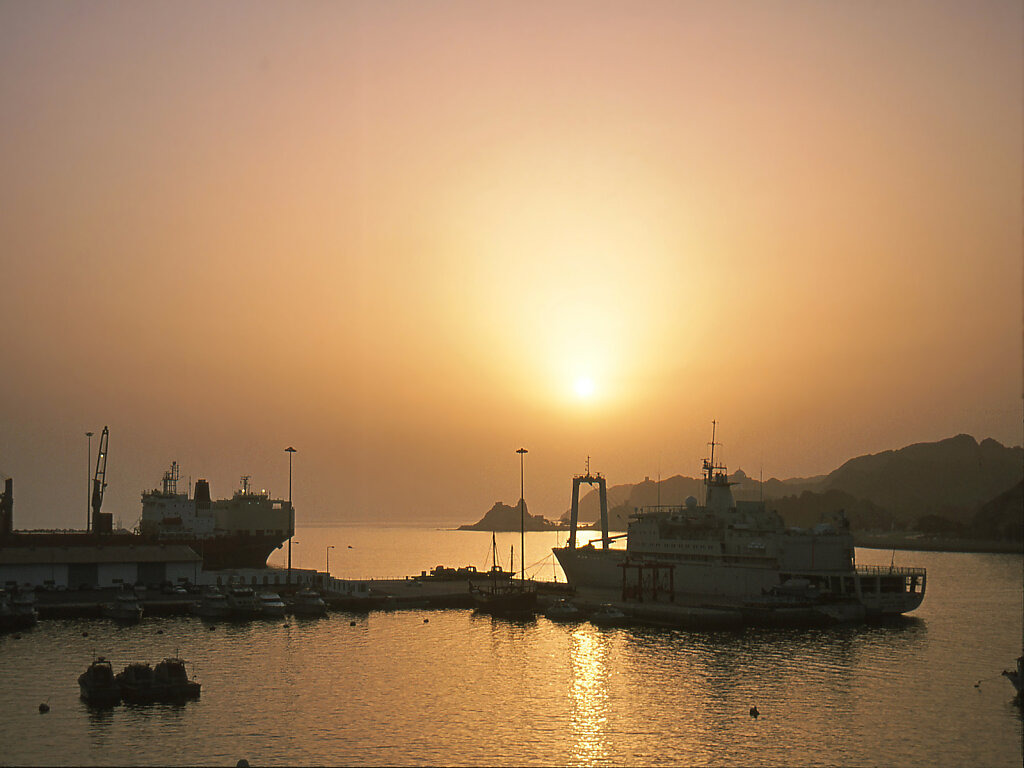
(564, 610)
(171, 682)
(136, 682)
(242, 603)
(271, 605)
(212, 604)
(307, 602)
(500, 594)
(98, 686)
(1016, 678)
(608, 615)
(735, 555)
(125, 608)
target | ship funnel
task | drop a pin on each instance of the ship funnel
(202, 494)
(7, 508)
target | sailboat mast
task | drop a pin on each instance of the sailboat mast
(522, 517)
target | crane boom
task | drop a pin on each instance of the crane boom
(102, 522)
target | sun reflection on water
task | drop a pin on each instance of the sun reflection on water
(588, 695)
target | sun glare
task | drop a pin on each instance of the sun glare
(584, 388)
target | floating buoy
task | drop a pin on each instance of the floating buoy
(351, 623)
(754, 712)
(286, 625)
(159, 631)
(212, 628)
(17, 636)
(426, 621)
(243, 763)
(85, 634)
(44, 708)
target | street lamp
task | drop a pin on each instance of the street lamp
(291, 513)
(522, 518)
(329, 548)
(88, 488)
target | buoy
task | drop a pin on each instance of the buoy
(212, 628)
(243, 763)
(351, 623)
(754, 712)
(159, 631)
(85, 634)
(426, 621)
(17, 636)
(286, 625)
(44, 708)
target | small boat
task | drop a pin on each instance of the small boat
(272, 605)
(136, 682)
(98, 685)
(308, 602)
(213, 604)
(563, 610)
(243, 603)
(125, 608)
(608, 616)
(23, 606)
(501, 595)
(1016, 677)
(171, 682)
(16, 613)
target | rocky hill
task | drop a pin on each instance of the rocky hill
(957, 484)
(502, 517)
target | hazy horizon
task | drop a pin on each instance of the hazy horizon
(408, 239)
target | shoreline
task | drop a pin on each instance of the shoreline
(939, 544)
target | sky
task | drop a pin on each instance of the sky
(409, 238)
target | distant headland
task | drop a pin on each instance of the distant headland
(954, 495)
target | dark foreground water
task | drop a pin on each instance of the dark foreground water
(454, 688)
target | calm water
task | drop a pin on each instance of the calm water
(452, 688)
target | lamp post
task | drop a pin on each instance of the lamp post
(522, 518)
(88, 490)
(291, 513)
(329, 548)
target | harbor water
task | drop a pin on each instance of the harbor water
(450, 687)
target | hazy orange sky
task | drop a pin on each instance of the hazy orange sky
(410, 237)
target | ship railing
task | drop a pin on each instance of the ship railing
(889, 570)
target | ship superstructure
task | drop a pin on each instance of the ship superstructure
(239, 532)
(736, 553)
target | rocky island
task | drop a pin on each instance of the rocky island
(502, 517)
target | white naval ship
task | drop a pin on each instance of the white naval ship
(735, 554)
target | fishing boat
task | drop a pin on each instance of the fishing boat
(98, 686)
(307, 602)
(500, 594)
(125, 608)
(171, 682)
(136, 683)
(735, 555)
(271, 605)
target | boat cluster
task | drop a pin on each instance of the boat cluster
(241, 602)
(606, 615)
(137, 683)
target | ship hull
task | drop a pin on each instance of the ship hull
(230, 551)
(872, 592)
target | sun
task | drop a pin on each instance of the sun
(584, 387)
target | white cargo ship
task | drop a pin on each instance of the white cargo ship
(736, 555)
